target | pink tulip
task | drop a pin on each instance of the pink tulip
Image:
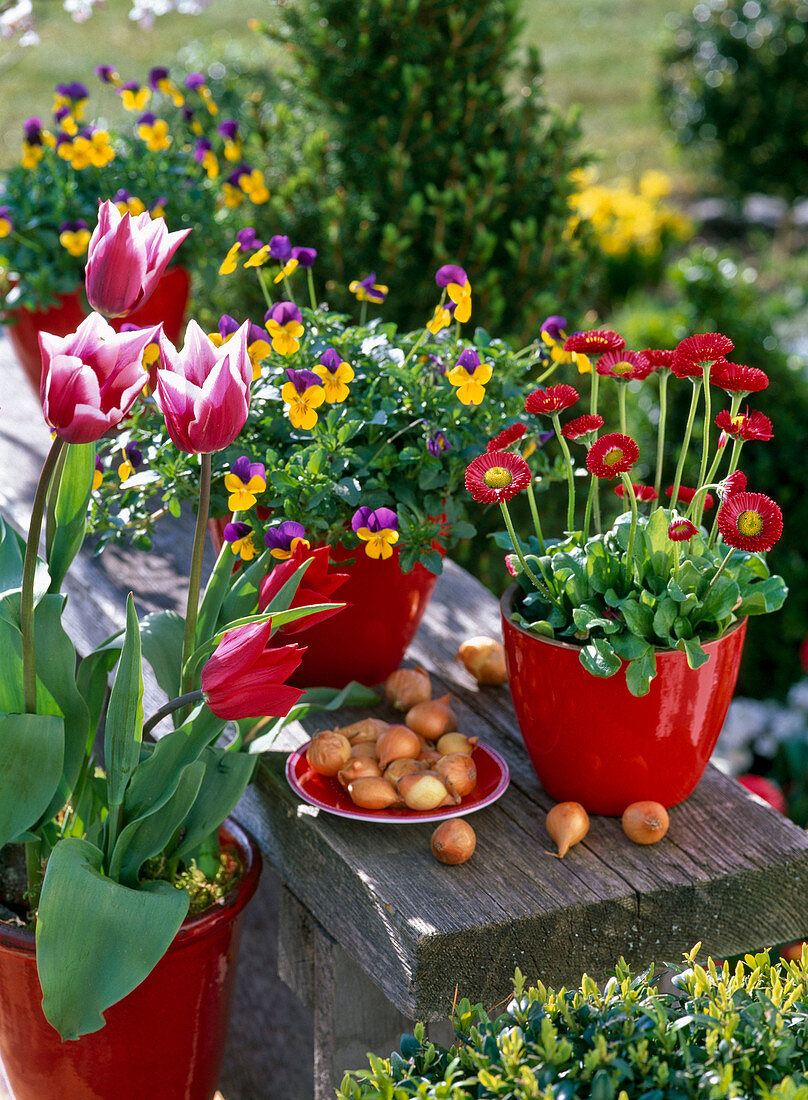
(244, 679)
(204, 391)
(126, 259)
(92, 377)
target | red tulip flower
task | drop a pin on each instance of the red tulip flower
(317, 585)
(204, 391)
(244, 679)
(91, 378)
(126, 259)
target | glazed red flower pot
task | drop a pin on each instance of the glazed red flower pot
(166, 1039)
(591, 741)
(367, 640)
(168, 304)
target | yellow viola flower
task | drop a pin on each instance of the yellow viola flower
(379, 543)
(31, 155)
(286, 270)
(259, 257)
(134, 97)
(244, 482)
(228, 264)
(154, 132)
(335, 374)
(284, 328)
(440, 319)
(74, 237)
(240, 537)
(303, 394)
(461, 296)
(253, 186)
(469, 377)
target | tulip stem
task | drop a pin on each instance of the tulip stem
(188, 699)
(195, 575)
(29, 573)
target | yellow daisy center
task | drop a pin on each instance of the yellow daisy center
(497, 477)
(750, 523)
(623, 367)
(613, 456)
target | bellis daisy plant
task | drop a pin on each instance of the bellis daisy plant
(642, 568)
(361, 432)
(166, 156)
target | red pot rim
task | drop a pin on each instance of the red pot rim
(23, 940)
(506, 606)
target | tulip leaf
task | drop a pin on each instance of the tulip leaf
(161, 638)
(124, 724)
(148, 836)
(12, 551)
(242, 598)
(67, 508)
(353, 694)
(96, 939)
(92, 679)
(31, 759)
(227, 775)
(215, 591)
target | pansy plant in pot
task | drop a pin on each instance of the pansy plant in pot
(357, 439)
(624, 633)
(112, 844)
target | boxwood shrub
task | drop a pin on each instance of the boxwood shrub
(724, 1031)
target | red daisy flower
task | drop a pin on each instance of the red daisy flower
(496, 476)
(748, 425)
(659, 358)
(685, 495)
(506, 437)
(551, 400)
(625, 366)
(641, 492)
(691, 352)
(612, 454)
(735, 483)
(682, 530)
(582, 425)
(594, 342)
(750, 521)
(736, 378)
(512, 565)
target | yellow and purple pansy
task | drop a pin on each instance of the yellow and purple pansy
(228, 131)
(196, 82)
(246, 241)
(258, 346)
(553, 336)
(378, 529)
(134, 96)
(126, 202)
(132, 460)
(107, 74)
(368, 290)
(280, 249)
(204, 155)
(283, 323)
(303, 393)
(74, 236)
(469, 377)
(153, 131)
(244, 482)
(240, 537)
(335, 374)
(457, 286)
(6, 224)
(74, 97)
(33, 140)
(160, 81)
(283, 540)
(98, 473)
(437, 443)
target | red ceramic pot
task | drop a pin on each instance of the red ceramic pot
(168, 304)
(165, 1039)
(592, 741)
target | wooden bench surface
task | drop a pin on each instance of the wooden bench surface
(731, 871)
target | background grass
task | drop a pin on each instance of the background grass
(600, 54)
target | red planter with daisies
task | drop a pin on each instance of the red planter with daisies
(591, 741)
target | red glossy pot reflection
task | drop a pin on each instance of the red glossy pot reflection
(367, 640)
(168, 304)
(166, 1039)
(591, 741)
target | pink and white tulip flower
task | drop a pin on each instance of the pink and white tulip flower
(204, 391)
(92, 377)
(126, 259)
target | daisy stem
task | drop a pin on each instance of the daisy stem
(733, 466)
(719, 454)
(593, 410)
(534, 511)
(676, 561)
(195, 572)
(590, 496)
(621, 404)
(691, 416)
(415, 346)
(262, 282)
(550, 370)
(537, 584)
(533, 346)
(312, 295)
(664, 378)
(718, 572)
(628, 489)
(570, 473)
(705, 441)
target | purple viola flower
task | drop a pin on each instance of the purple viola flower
(195, 81)
(134, 454)
(437, 443)
(282, 536)
(375, 520)
(244, 469)
(468, 359)
(247, 239)
(330, 359)
(234, 532)
(201, 148)
(302, 379)
(73, 91)
(227, 325)
(451, 273)
(256, 333)
(544, 437)
(283, 312)
(147, 119)
(228, 129)
(32, 130)
(369, 288)
(66, 227)
(61, 114)
(155, 76)
(106, 73)
(129, 86)
(304, 256)
(554, 326)
(280, 248)
(436, 365)
(234, 179)
(122, 195)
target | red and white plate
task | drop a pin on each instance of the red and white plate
(326, 794)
